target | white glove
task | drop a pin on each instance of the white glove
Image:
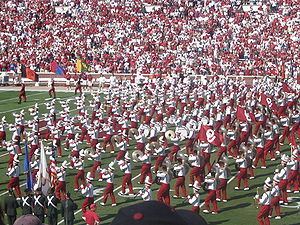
(256, 196)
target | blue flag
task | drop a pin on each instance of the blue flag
(27, 168)
(59, 70)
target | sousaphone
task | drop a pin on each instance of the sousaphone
(115, 139)
(170, 135)
(136, 154)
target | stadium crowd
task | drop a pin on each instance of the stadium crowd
(175, 36)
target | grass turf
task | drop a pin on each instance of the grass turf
(239, 209)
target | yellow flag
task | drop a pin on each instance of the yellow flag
(78, 65)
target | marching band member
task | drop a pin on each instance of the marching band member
(211, 182)
(87, 190)
(259, 117)
(108, 175)
(275, 192)
(12, 153)
(60, 189)
(242, 175)
(285, 124)
(146, 165)
(175, 148)
(161, 155)
(294, 171)
(269, 143)
(206, 149)
(146, 192)
(223, 173)
(264, 201)
(283, 176)
(140, 140)
(22, 94)
(259, 143)
(14, 173)
(52, 89)
(194, 200)
(96, 157)
(163, 194)
(197, 168)
(125, 167)
(122, 145)
(3, 127)
(107, 137)
(79, 166)
(180, 178)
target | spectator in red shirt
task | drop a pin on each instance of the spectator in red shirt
(91, 217)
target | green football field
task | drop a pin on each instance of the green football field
(240, 208)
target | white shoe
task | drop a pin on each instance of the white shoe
(131, 195)
(100, 179)
(285, 203)
(246, 189)
(175, 196)
(273, 159)
(102, 203)
(224, 200)
(214, 213)
(288, 191)
(251, 178)
(253, 167)
(263, 167)
(218, 199)
(269, 216)
(190, 185)
(236, 188)
(113, 204)
(277, 217)
(75, 189)
(112, 152)
(277, 152)
(296, 192)
(205, 211)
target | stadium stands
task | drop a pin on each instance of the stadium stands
(150, 36)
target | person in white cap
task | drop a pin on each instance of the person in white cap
(161, 154)
(108, 175)
(122, 146)
(264, 201)
(211, 181)
(180, 172)
(125, 167)
(242, 175)
(60, 189)
(87, 191)
(12, 152)
(146, 192)
(146, 165)
(223, 174)
(294, 170)
(96, 157)
(164, 179)
(79, 166)
(283, 176)
(275, 192)
(3, 127)
(14, 173)
(194, 200)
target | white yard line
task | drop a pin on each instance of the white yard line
(9, 99)
(18, 109)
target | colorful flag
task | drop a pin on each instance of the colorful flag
(56, 68)
(43, 180)
(81, 66)
(27, 169)
(31, 74)
(207, 134)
